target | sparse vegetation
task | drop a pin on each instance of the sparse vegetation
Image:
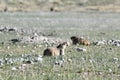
(24, 62)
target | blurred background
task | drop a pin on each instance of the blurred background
(59, 5)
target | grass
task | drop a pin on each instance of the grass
(98, 63)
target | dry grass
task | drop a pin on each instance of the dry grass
(59, 5)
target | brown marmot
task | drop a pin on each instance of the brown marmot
(56, 51)
(77, 40)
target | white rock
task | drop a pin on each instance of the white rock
(81, 49)
(110, 70)
(57, 63)
(23, 66)
(14, 69)
(99, 43)
(69, 60)
(116, 59)
(39, 59)
(117, 44)
(91, 61)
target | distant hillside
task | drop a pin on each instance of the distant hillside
(60, 5)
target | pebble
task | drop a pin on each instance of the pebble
(81, 49)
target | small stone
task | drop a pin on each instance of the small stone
(39, 59)
(117, 44)
(81, 49)
(110, 70)
(14, 69)
(69, 60)
(99, 43)
(57, 63)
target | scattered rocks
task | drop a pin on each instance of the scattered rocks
(15, 41)
(59, 63)
(101, 42)
(6, 29)
(22, 67)
(12, 30)
(48, 41)
(25, 58)
(108, 42)
(39, 59)
(114, 42)
(30, 36)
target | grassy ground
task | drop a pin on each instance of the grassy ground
(98, 63)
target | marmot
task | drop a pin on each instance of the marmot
(77, 40)
(56, 51)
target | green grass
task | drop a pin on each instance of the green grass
(98, 63)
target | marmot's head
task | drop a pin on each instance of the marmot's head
(63, 45)
(74, 39)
